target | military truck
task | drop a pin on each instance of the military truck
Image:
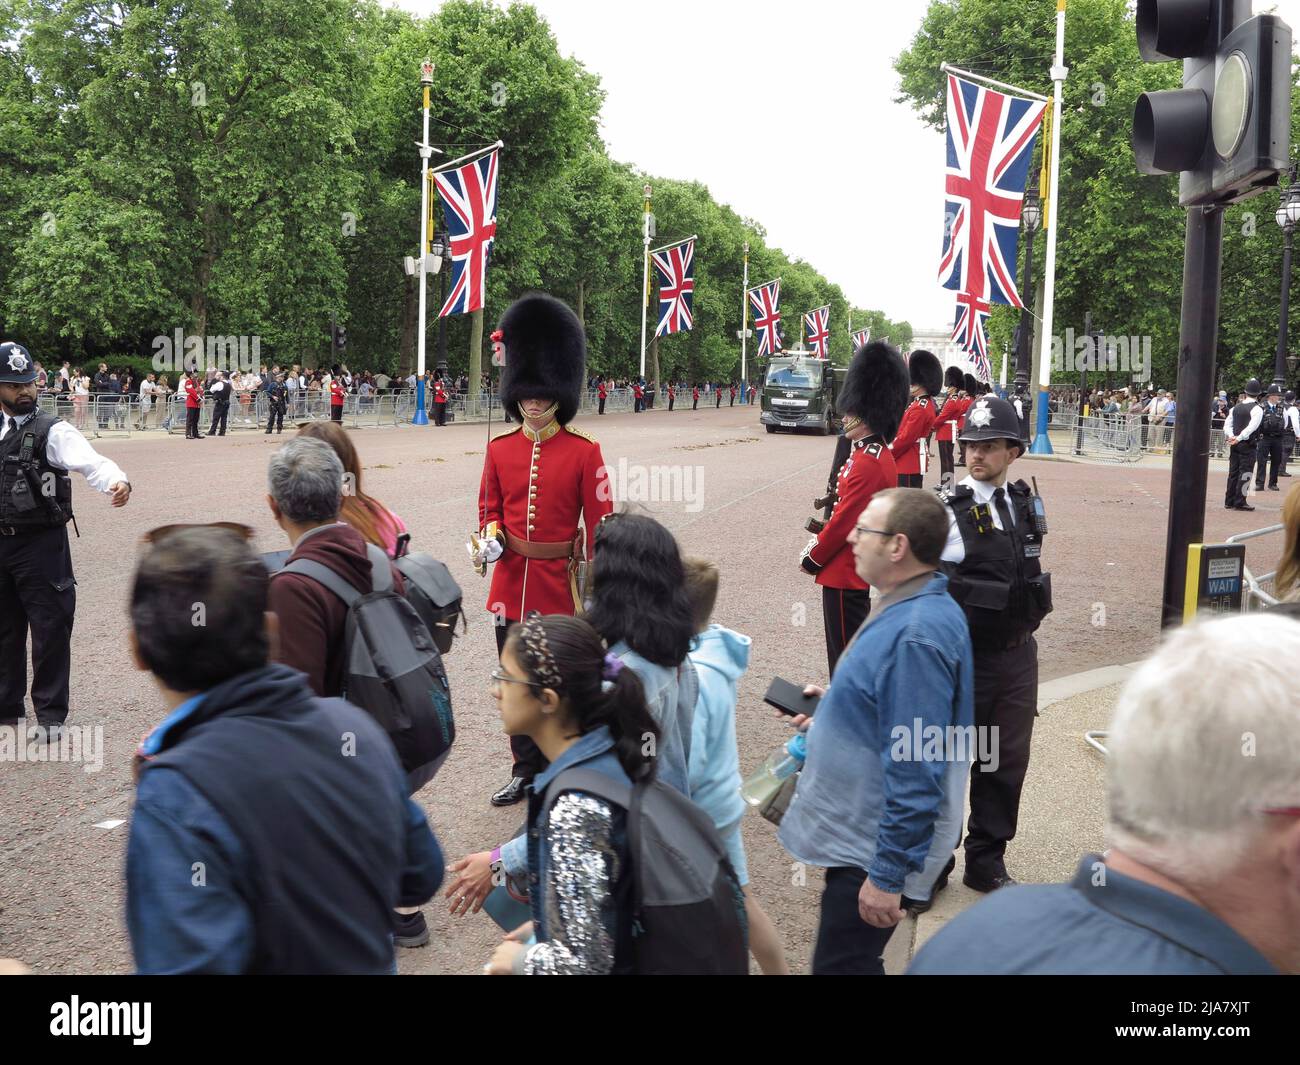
(799, 392)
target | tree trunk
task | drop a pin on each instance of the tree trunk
(654, 364)
(582, 293)
(476, 354)
(410, 318)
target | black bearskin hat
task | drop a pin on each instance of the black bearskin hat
(952, 377)
(971, 386)
(875, 388)
(545, 355)
(926, 370)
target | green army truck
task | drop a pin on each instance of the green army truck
(799, 392)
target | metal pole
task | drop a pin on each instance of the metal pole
(1279, 363)
(1042, 445)
(1083, 385)
(948, 68)
(645, 274)
(445, 240)
(1197, 338)
(421, 415)
(744, 325)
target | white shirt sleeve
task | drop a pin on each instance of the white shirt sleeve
(69, 450)
(1256, 416)
(1293, 419)
(955, 549)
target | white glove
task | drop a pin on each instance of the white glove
(487, 551)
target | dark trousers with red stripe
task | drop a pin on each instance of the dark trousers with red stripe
(910, 480)
(529, 760)
(843, 610)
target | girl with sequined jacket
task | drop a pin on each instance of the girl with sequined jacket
(557, 685)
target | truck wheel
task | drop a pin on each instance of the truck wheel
(770, 428)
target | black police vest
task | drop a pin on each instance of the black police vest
(1241, 419)
(33, 494)
(1274, 421)
(1000, 584)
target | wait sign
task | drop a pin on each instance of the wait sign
(1215, 575)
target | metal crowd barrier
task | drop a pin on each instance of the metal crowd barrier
(1259, 590)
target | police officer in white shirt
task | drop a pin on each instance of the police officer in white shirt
(993, 564)
(37, 589)
(1293, 430)
(1240, 432)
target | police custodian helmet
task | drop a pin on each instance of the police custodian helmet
(16, 365)
(991, 418)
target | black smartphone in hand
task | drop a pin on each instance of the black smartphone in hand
(789, 698)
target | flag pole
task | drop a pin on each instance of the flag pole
(744, 327)
(645, 273)
(467, 158)
(676, 243)
(426, 150)
(1042, 445)
(948, 68)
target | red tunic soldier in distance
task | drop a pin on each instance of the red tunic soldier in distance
(950, 411)
(911, 447)
(539, 480)
(872, 401)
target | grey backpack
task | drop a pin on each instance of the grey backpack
(393, 669)
(688, 911)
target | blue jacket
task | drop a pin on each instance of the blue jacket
(890, 747)
(720, 657)
(674, 715)
(193, 892)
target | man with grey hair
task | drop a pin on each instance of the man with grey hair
(306, 493)
(1203, 874)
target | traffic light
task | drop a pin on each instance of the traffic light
(1227, 131)
(340, 340)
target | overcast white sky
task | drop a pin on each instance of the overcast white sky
(854, 183)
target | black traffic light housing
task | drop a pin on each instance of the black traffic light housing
(340, 340)
(1227, 131)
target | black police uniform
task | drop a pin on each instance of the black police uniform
(220, 407)
(36, 583)
(1271, 444)
(278, 397)
(1005, 595)
(1241, 456)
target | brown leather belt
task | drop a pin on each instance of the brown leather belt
(537, 549)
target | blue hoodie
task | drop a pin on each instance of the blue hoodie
(720, 657)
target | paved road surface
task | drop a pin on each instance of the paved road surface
(747, 496)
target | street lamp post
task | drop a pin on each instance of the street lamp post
(441, 243)
(1286, 216)
(426, 150)
(1032, 215)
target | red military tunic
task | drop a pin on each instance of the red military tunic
(869, 469)
(950, 415)
(537, 490)
(439, 393)
(910, 444)
(193, 396)
(337, 392)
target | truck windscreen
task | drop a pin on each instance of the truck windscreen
(807, 376)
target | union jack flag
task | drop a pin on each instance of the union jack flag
(991, 140)
(469, 198)
(970, 335)
(676, 286)
(817, 328)
(861, 338)
(766, 301)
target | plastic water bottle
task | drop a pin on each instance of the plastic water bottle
(781, 764)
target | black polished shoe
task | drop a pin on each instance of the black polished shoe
(1274, 488)
(985, 884)
(410, 929)
(515, 791)
(1243, 506)
(915, 906)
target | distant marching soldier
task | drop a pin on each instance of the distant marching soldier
(539, 480)
(909, 447)
(872, 401)
(37, 589)
(1242, 425)
(951, 408)
(993, 564)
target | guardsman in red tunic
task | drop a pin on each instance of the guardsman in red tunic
(193, 405)
(638, 398)
(951, 408)
(872, 401)
(911, 446)
(337, 394)
(539, 481)
(602, 393)
(672, 394)
(695, 395)
(733, 395)
(439, 402)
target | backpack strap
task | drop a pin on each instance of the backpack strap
(590, 781)
(381, 575)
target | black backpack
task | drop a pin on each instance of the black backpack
(432, 590)
(688, 911)
(393, 668)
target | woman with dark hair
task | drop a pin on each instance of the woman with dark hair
(557, 685)
(374, 521)
(641, 607)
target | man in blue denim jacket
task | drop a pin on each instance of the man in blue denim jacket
(879, 801)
